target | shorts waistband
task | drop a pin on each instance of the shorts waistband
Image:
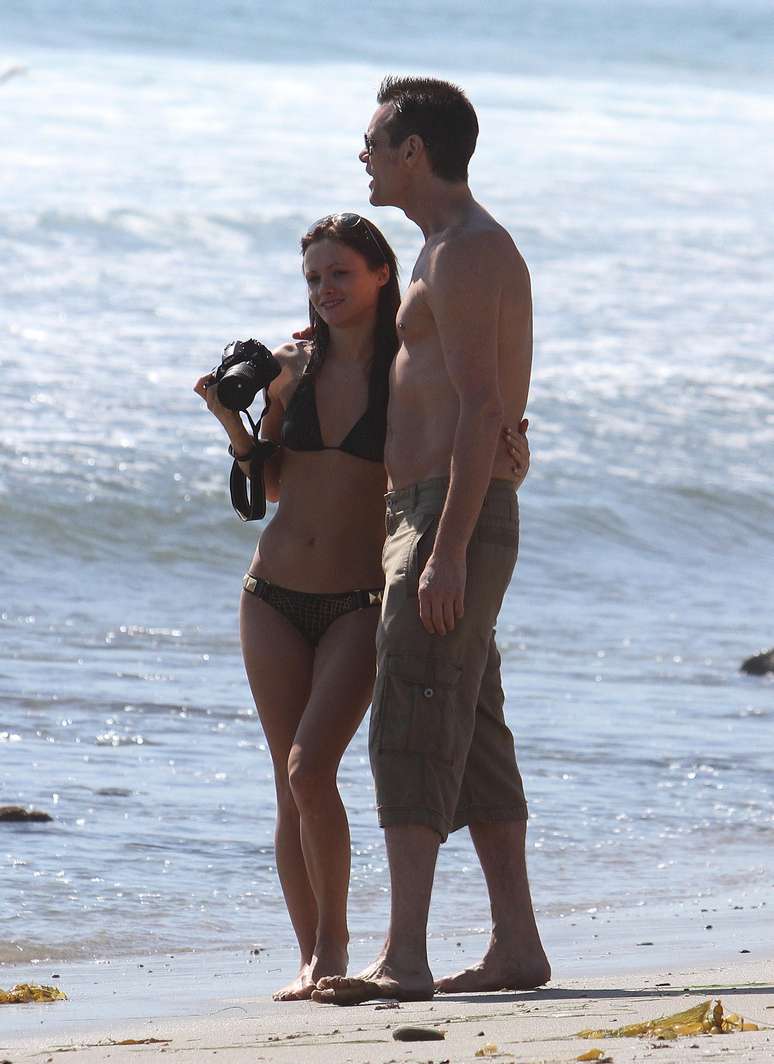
(431, 493)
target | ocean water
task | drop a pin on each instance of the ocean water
(159, 164)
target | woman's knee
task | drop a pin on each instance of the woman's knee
(310, 781)
(286, 803)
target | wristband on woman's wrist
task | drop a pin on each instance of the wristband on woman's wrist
(243, 457)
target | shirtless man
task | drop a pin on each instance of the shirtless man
(441, 753)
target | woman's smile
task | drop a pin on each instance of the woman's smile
(340, 281)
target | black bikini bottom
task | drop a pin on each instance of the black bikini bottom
(311, 614)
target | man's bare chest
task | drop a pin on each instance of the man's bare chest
(415, 319)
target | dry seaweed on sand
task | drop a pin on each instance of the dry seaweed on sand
(135, 1042)
(24, 993)
(705, 1018)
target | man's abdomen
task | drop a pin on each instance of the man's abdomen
(420, 438)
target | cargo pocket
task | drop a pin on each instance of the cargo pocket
(498, 533)
(416, 708)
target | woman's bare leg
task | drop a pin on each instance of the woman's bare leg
(279, 663)
(342, 684)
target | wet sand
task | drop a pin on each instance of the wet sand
(202, 1006)
(534, 1026)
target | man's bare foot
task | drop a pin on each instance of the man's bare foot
(329, 963)
(500, 969)
(381, 980)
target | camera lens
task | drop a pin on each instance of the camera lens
(238, 386)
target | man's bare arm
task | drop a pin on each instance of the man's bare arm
(464, 292)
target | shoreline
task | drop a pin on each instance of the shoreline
(201, 993)
(534, 1025)
(599, 938)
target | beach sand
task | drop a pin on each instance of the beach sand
(217, 1006)
(534, 1026)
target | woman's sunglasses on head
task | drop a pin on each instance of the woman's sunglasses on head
(348, 220)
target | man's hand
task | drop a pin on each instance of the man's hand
(303, 334)
(442, 593)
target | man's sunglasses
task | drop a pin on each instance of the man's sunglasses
(348, 220)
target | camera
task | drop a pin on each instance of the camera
(247, 367)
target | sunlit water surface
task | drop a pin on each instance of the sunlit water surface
(156, 181)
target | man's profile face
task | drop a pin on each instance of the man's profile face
(379, 158)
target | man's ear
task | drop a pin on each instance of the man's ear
(413, 148)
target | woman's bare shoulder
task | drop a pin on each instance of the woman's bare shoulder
(293, 354)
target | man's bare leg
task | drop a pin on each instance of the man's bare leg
(515, 959)
(401, 970)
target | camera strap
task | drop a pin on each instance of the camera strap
(248, 495)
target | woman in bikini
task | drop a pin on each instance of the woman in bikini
(310, 600)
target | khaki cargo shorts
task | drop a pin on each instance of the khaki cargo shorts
(441, 752)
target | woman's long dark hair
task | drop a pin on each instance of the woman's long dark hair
(362, 236)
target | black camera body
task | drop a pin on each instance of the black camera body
(247, 367)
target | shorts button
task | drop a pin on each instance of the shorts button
(428, 692)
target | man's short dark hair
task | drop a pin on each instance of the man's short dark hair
(440, 113)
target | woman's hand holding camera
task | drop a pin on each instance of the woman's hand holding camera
(241, 440)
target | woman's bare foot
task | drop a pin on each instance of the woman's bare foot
(381, 980)
(325, 963)
(299, 990)
(500, 969)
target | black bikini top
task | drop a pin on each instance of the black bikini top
(301, 423)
